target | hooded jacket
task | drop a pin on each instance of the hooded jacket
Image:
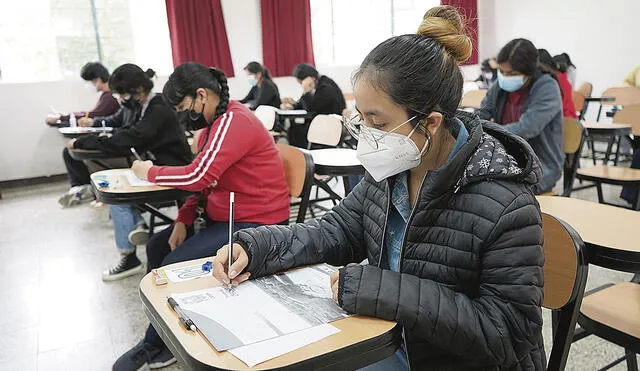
(470, 286)
(540, 124)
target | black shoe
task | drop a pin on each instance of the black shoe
(136, 358)
(129, 265)
(161, 359)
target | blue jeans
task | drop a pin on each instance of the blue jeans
(125, 219)
(396, 361)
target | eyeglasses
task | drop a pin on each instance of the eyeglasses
(359, 130)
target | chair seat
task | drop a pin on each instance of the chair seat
(606, 174)
(617, 307)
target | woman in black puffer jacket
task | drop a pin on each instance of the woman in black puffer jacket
(445, 217)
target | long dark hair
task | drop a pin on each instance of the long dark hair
(522, 55)
(191, 76)
(128, 78)
(255, 67)
(420, 71)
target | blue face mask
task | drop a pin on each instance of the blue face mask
(252, 80)
(510, 83)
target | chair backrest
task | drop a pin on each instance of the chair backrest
(473, 98)
(267, 115)
(573, 135)
(629, 115)
(565, 276)
(326, 130)
(578, 100)
(298, 170)
(624, 96)
(585, 89)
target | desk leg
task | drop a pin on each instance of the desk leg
(599, 188)
(347, 185)
(636, 203)
(607, 153)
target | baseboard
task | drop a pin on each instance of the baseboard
(6, 184)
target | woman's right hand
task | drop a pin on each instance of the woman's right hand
(52, 119)
(178, 235)
(238, 264)
(85, 122)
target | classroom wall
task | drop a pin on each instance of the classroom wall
(600, 36)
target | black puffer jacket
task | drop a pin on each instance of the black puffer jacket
(470, 288)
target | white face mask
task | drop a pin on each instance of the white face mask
(394, 154)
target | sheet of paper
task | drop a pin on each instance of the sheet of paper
(80, 130)
(265, 350)
(269, 307)
(134, 181)
(187, 273)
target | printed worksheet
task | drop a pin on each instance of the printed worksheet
(263, 308)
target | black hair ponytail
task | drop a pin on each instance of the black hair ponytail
(223, 93)
(189, 77)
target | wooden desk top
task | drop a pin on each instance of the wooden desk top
(120, 191)
(623, 174)
(354, 329)
(335, 157)
(598, 224)
(118, 183)
(599, 126)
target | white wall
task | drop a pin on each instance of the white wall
(600, 36)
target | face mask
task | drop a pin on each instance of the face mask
(510, 83)
(252, 80)
(89, 86)
(130, 103)
(394, 154)
(488, 75)
(191, 119)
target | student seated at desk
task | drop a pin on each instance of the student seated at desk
(527, 102)
(320, 95)
(549, 65)
(237, 154)
(97, 76)
(151, 127)
(488, 73)
(445, 217)
(264, 92)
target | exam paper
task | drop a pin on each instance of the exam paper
(187, 273)
(256, 353)
(269, 307)
(134, 181)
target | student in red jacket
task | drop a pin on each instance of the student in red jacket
(237, 154)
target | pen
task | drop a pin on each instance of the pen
(184, 319)
(135, 153)
(231, 202)
(86, 115)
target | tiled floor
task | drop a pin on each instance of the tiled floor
(56, 313)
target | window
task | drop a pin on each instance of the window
(52, 39)
(344, 31)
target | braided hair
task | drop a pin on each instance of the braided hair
(189, 77)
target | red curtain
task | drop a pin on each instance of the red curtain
(469, 8)
(198, 34)
(286, 35)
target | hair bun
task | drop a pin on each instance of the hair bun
(150, 73)
(445, 25)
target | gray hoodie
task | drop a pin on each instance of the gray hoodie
(540, 124)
